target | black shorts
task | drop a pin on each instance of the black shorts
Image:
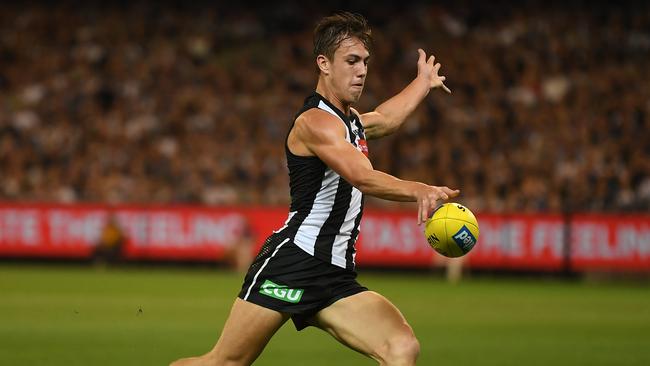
(285, 278)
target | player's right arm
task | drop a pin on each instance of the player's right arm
(318, 133)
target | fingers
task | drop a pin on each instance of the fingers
(422, 56)
(436, 69)
(450, 192)
(429, 201)
(422, 211)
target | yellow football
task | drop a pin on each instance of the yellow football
(452, 230)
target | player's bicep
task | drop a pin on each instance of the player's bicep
(327, 141)
(374, 124)
(345, 160)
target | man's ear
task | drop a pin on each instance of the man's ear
(323, 64)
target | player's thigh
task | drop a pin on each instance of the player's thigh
(366, 322)
(247, 331)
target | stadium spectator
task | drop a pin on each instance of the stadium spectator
(110, 246)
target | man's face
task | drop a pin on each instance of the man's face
(348, 69)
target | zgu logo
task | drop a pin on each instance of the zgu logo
(280, 292)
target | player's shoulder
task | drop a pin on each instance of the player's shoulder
(317, 118)
(317, 122)
(315, 115)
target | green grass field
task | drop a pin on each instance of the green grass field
(55, 315)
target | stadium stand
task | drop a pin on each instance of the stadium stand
(142, 103)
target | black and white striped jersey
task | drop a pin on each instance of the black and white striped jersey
(325, 210)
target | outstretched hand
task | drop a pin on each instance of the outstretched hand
(429, 71)
(428, 198)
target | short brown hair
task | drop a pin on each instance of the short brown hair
(334, 29)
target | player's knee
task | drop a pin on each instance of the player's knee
(405, 349)
(401, 349)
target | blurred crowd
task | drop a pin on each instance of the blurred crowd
(135, 102)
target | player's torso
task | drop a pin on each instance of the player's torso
(326, 210)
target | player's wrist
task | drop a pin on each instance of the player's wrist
(423, 85)
(418, 190)
(423, 82)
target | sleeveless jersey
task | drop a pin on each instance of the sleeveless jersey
(325, 210)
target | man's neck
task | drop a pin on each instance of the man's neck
(323, 89)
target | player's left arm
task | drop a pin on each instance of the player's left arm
(391, 114)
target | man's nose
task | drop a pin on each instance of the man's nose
(361, 71)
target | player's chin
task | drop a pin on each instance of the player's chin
(355, 94)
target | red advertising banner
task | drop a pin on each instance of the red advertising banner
(519, 242)
(392, 239)
(531, 242)
(610, 242)
(74, 231)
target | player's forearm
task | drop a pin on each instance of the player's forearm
(396, 109)
(388, 187)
